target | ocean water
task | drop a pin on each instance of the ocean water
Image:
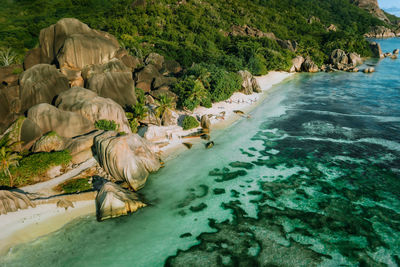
(312, 179)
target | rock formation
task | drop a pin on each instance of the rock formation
(64, 123)
(92, 107)
(127, 158)
(114, 201)
(205, 122)
(338, 56)
(297, 63)
(376, 50)
(111, 80)
(23, 132)
(11, 201)
(372, 7)
(49, 142)
(40, 84)
(249, 84)
(309, 65)
(382, 32)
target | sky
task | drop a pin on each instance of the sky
(389, 3)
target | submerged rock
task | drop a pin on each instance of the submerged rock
(11, 201)
(127, 158)
(210, 145)
(114, 201)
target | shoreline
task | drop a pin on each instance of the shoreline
(27, 225)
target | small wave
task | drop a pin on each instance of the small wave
(391, 145)
(380, 118)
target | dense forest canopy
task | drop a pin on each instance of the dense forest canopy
(194, 31)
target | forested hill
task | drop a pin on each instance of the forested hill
(202, 30)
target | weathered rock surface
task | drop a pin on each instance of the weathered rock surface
(205, 122)
(156, 60)
(332, 28)
(64, 123)
(40, 84)
(396, 51)
(380, 32)
(163, 81)
(11, 201)
(114, 201)
(245, 30)
(127, 158)
(372, 7)
(49, 142)
(355, 59)
(144, 78)
(339, 56)
(376, 50)
(297, 62)
(74, 45)
(288, 44)
(111, 80)
(249, 84)
(64, 203)
(369, 70)
(170, 117)
(93, 107)
(32, 58)
(130, 61)
(171, 67)
(9, 74)
(159, 92)
(309, 65)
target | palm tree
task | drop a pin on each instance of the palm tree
(199, 93)
(164, 102)
(8, 158)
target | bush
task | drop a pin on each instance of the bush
(191, 93)
(35, 166)
(76, 185)
(106, 125)
(189, 122)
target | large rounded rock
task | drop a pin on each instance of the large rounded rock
(40, 84)
(9, 74)
(205, 122)
(355, 59)
(11, 201)
(111, 80)
(64, 123)
(93, 107)
(169, 117)
(376, 50)
(156, 60)
(338, 56)
(297, 62)
(73, 44)
(144, 78)
(127, 158)
(249, 84)
(114, 201)
(49, 142)
(80, 147)
(309, 66)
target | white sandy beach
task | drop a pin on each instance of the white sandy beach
(27, 225)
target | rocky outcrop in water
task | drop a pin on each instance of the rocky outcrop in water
(376, 50)
(127, 158)
(114, 201)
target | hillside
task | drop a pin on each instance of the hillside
(200, 31)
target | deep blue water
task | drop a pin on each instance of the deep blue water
(312, 179)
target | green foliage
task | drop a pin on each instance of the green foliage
(163, 102)
(106, 125)
(76, 185)
(189, 122)
(8, 158)
(35, 166)
(196, 31)
(7, 56)
(221, 84)
(192, 93)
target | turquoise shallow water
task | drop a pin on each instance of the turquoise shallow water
(312, 179)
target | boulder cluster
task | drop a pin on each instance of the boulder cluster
(383, 32)
(75, 78)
